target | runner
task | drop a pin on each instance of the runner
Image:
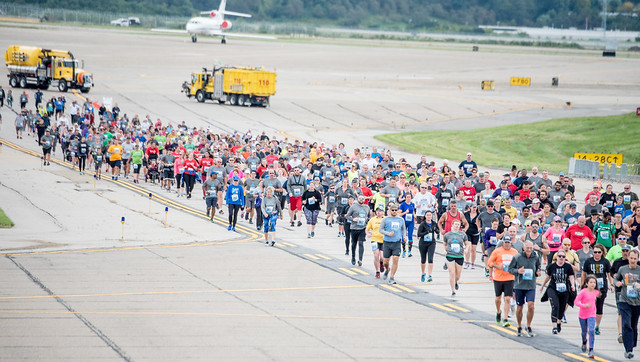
(553, 237)
(473, 233)
(178, 170)
(46, 141)
(136, 162)
(525, 267)
(377, 239)
(358, 215)
(560, 277)
(270, 208)
(615, 266)
(627, 278)
(167, 160)
(210, 188)
(394, 231)
(330, 205)
(407, 212)
(503, 281)
(311, 199)
(427, 232)
(83, 151)
(190, 166)
(252, 189)
(586, 300)
(600, 268)
(234, 199)
(115, 157)
(454, 243)
(295, 189)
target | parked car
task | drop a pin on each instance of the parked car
(126, 22)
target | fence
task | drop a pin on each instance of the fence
(591, 169)
(86, 17)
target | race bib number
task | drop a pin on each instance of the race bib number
(135, 166)
(253, 167)
(455, 248)
(626, 199)
(316, 173)
(445, 202)
(493, 240)
(311, 201)
(297, 192)
(344, 201)
(504, 194)
(556, 198)
(253, 190)
(332, 199)
(269, 209)
(632, 292)
(395, 225)
(328, 174)
(560, 287)
(600, 283)
(556, 238)
(528, 275)
(360, 222)
(428, 237)
(506, 260)
(234, 197)
(609, 204)
(604, 234)
(374, 246)
(408, 217)
(212, 191)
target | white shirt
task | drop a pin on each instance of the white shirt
(422, 202)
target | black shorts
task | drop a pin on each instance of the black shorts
(458, 261)
(125, 161)
(167, 172)
(116, 163)
(504, 287)
(389, 249)
(474, 239)
(136, 168)
(46, 151)
(600, 302)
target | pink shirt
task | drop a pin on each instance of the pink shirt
(586, 297)
(554, 238)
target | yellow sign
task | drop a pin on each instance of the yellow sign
(488, 85)
(521, 81)
(600, 157)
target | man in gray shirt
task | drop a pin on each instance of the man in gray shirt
(391, 192)
(358, 214)
(525, 267)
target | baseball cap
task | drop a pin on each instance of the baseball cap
(481, 174)
(561, 174)
(557, 218)
(626, 247)
(468, 153)
(236, 178)
(594, 212)
(516, 221)
(490, 203)
(506, 239)
(572, 205)
(527, 222)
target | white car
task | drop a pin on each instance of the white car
(126, 22)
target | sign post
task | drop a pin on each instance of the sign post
(122, 221)
(150, 196)
(166, 212)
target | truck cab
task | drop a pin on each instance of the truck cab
(68, 74)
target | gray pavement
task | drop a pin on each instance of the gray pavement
(74, 290)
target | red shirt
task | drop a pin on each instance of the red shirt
(205, 162)
(190, 166)
(576, 234)
(367, 193)
(261, 169)
(152, 152)
(434, 190)
(524, 194)
(469, 193)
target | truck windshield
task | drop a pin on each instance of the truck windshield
(194, 78)
(70, 63)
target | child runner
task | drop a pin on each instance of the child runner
(586, 301)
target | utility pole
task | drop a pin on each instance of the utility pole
(604, 22)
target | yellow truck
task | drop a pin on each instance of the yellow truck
(41, 68)
(236, 86)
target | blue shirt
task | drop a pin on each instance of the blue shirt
(235, 195)
(395, 224)
(411, 207)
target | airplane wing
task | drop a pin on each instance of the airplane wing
(242, 35)
(171, 31)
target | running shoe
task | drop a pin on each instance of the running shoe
(386, 273)
(326, 222)
(299, 223)
(628, 355)
(473, 266)
(584, 346)
(564, 319)
(392, 280)
(359, 262)
(410, 255)
(423, 277)
(519, 334)
(486, 272)
(429, 278)
(457, 287)
(308, 236)
(229, 228)
(559, 327)
(346, 252)
(233, 228)
(597, 331)
(207, 213)
(453, 294)
(506, 324)
(353, 261)
(266, 243)
(292, 223)
(273, 243)
(377, 275)
(619, 338)
(554, 331)
(444, 266)
(330, 225)
(404, 254)
(591, 355)
(313, 233)
(250, 221)
(466, 265)
(498, 318)
(529, 332)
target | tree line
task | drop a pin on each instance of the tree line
(409, 15)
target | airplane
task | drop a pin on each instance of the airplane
(214, 25)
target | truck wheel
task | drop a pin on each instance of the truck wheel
(266, 104)
(44, 85)
(62, 85)
(23, 82)
(13, 81)
(85, 90)
(233, 99)
(200, 96)
(241, 100)
(220, 101)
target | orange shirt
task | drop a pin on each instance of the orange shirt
(115, 152)
(500, 259)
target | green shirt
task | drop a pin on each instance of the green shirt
(136, 157)
(190, 147)
(161, 140)
(604, 233)
(107, 137)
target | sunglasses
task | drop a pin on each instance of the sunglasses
(394, 209)
(561, 256)
(597, 252)
(586, 243)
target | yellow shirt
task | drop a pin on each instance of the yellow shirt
(115, 152)
(374, 226)
(512, 211)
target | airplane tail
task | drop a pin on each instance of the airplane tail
(221, 12)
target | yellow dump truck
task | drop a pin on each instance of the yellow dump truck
(236, 86)
(41, 68)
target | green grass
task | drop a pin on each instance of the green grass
(547, 145)
(5, 222)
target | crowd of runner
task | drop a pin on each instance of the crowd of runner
(523, 224)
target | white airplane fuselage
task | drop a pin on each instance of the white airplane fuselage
(207, 26)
